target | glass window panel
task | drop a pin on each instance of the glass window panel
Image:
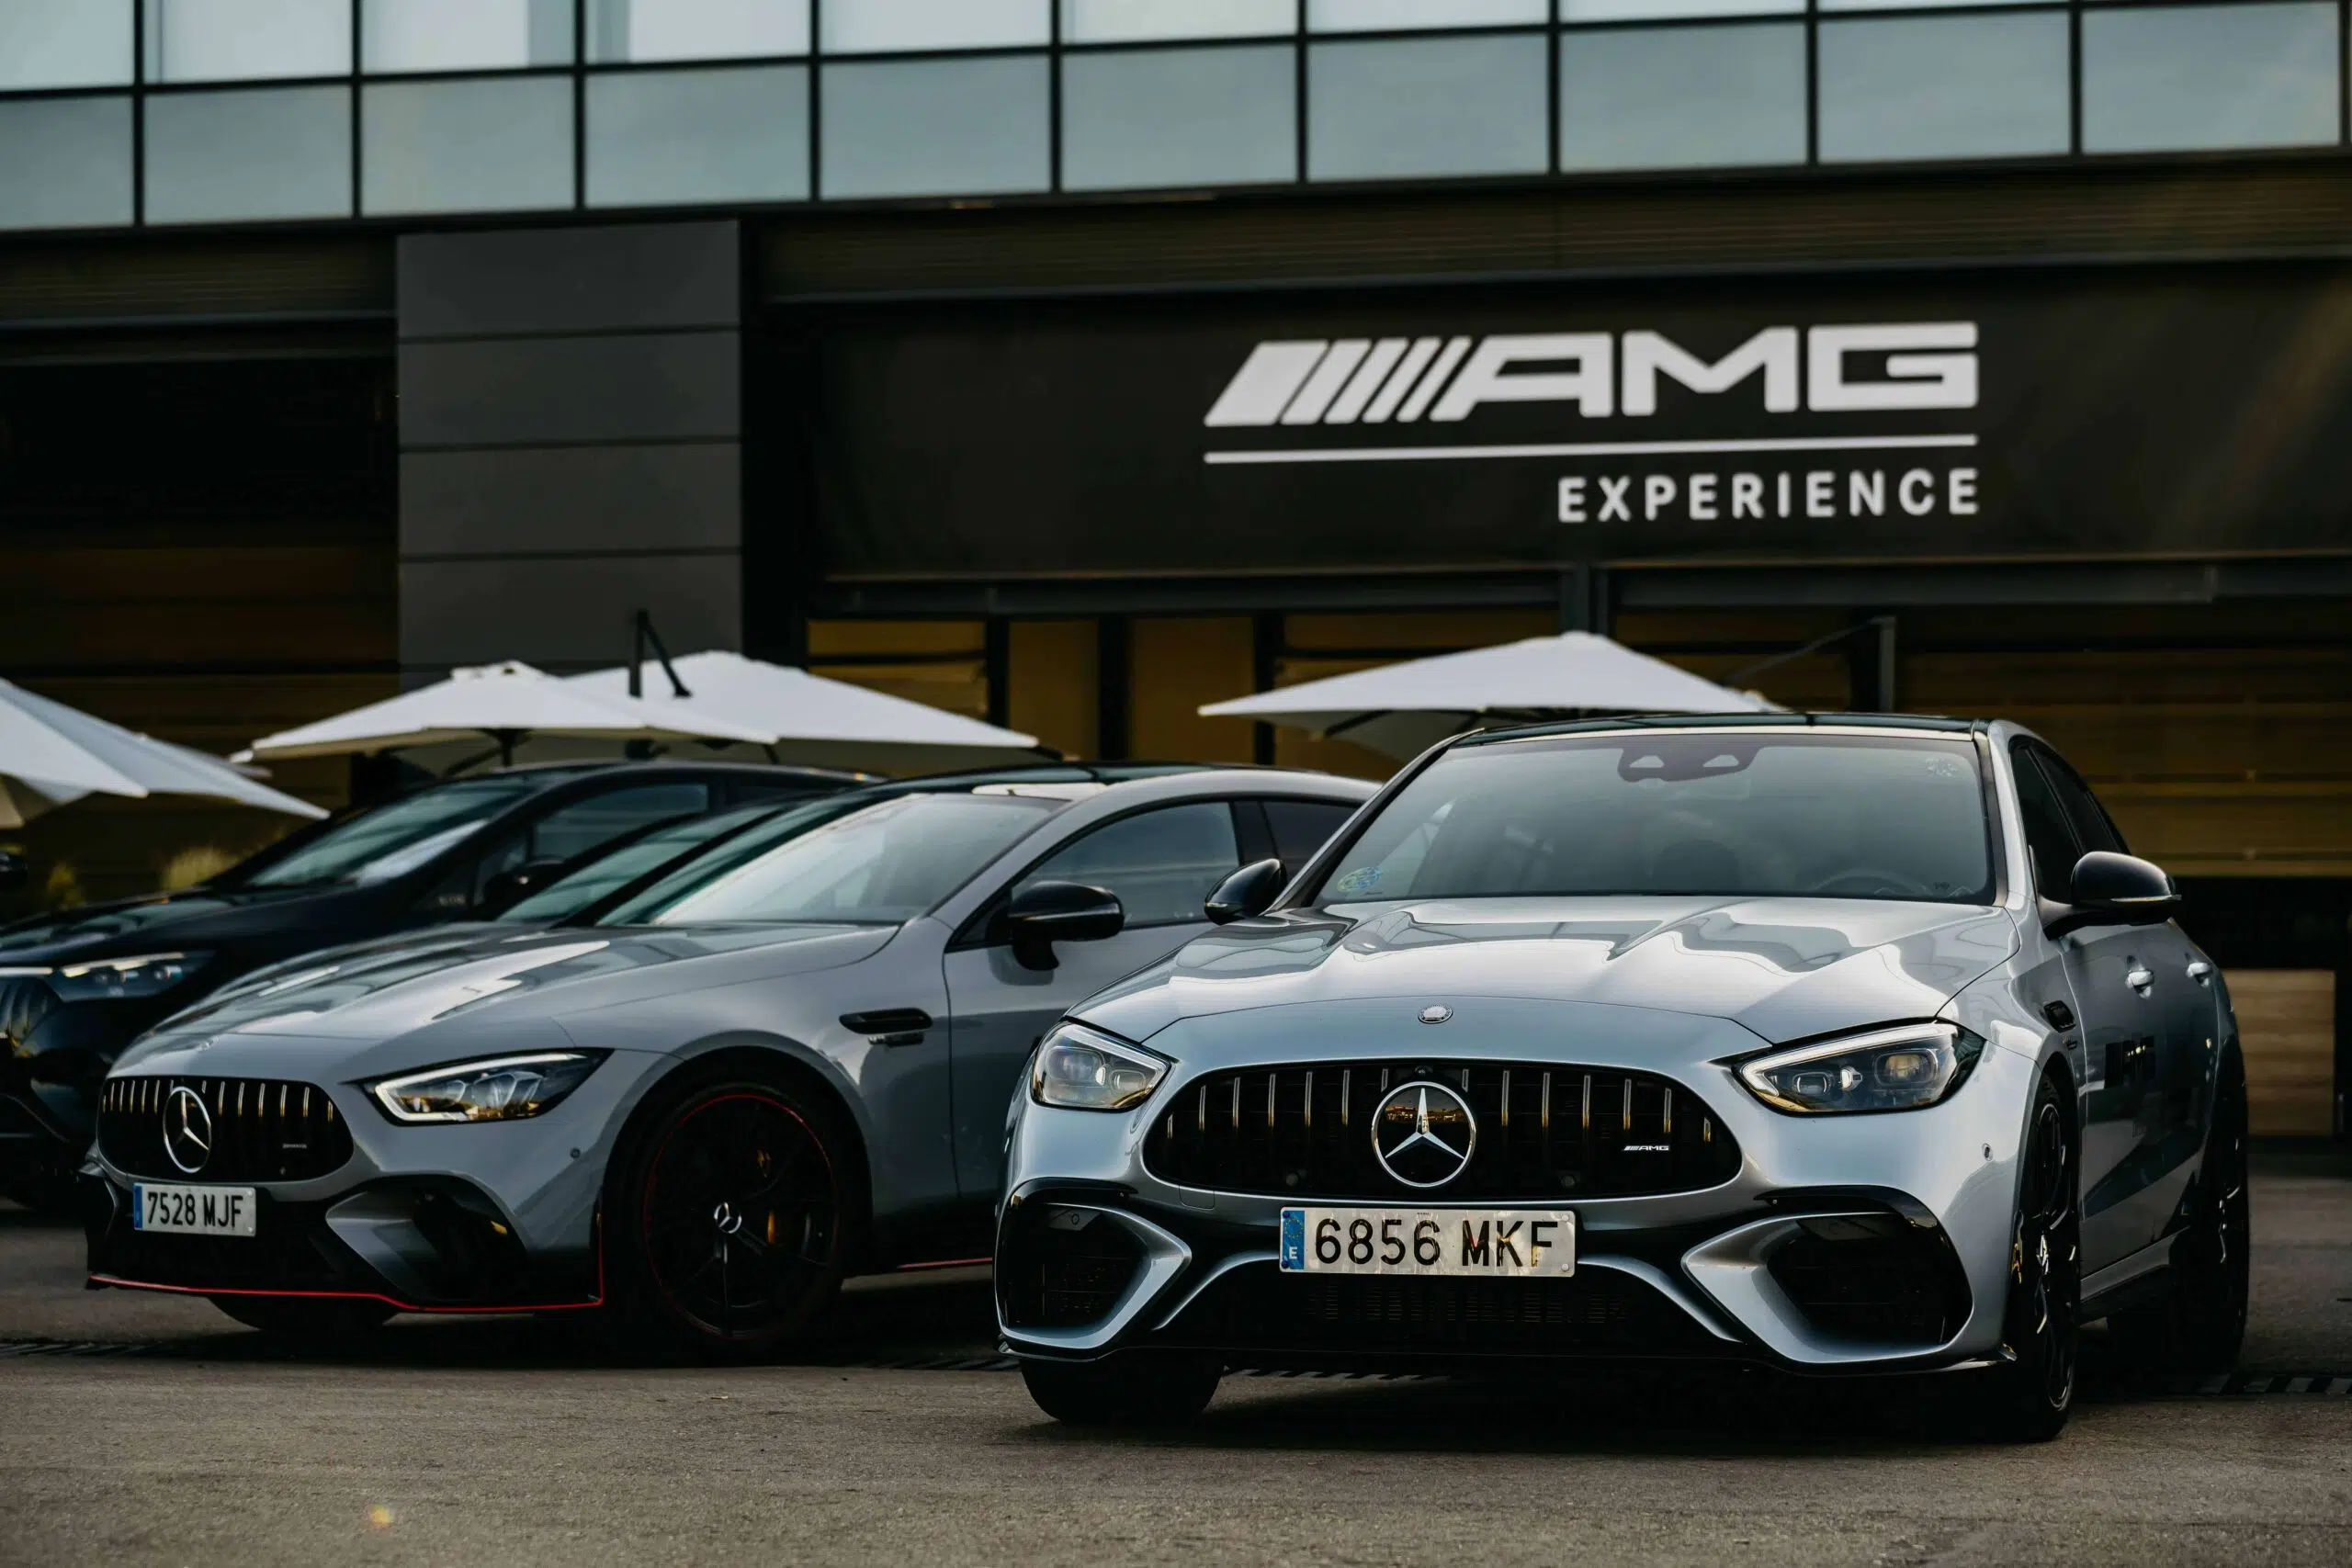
(1906, 5)
(233, 40)
(867, 26)
(466, 146)
(1657, 10)
(278, 153)
(1123, 21)
(731, 135)
(1944, 86)
(695, 30)
(936, 127)
(1368, 16)
(2209, 76)
(1682, 97)
(464, 34)
(1474, 105)
(64, 43)
(1179, 117)
(68, 163)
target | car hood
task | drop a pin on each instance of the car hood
(189, 917)
(1783, 968)
(497, 981)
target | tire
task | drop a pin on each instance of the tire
(2199, 1325)
(1133, 1390)
(2028, 1398)
(307, 1321)
(730, 1221)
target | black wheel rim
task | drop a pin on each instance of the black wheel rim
(2045, 1262)
(741, 1214)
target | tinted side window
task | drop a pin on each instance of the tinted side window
(2093, 831)
(2047, 836)
(574, 829)
(1162, 863)
(1300, 827)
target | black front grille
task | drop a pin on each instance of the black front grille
(1543, 1132)
(260, 1129)
(1258, 1310)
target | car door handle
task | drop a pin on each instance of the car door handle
(2201, 971)
(2138, 980)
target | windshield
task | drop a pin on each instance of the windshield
(610, 873)
(1740, 815)
(887, 863)
(397, 836)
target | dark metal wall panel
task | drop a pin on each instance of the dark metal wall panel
(570, 280)
(510, 391)
(560, 501)
(1816, 219)
(561, 612)
(571, 412)
(136, 277)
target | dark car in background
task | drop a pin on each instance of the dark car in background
(77, 986)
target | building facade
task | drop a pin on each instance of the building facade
(1072, 363)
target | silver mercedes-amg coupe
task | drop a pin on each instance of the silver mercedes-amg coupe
(1843, 1044)
(688, 1117)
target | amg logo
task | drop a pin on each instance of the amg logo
(1926, 364)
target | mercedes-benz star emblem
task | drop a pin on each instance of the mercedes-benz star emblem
(1436, 1012)
(187, 1130)
(1422, 1135)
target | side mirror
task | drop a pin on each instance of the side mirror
(2110, 889)
(13, 871)
(507, 887)
(1247, 892)
(1044, 913)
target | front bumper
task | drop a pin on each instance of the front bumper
(1851, 1244)
(495, 1217)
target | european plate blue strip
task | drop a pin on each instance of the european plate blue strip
(1294, 1240)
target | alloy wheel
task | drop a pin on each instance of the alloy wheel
(742, 1216)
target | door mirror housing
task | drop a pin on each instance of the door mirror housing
(2110, 889)
(512, 887)
(1044, 913)
(13, 871)
(1247, 892)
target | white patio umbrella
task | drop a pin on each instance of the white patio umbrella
(51, 754)
(505, 703)
(822, 722)
(1400, 709)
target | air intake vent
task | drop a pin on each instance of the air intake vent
(184, 1129)
(1542, 1131)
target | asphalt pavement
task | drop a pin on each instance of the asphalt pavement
(138, 1429)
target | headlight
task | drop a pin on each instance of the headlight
(1887, 1069)
(500, 1088)
(116, 979)
(1080, 1068)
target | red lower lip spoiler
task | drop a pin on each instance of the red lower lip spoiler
(393, 1302)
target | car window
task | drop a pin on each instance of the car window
(614, 869)
(887, 862)
(1302, 827)
(394, 837)
(2047, 838)
(1740, 814)
(2093, 828)
(573, 830)
(1161, 864)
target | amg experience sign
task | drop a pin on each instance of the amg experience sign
(2083, 413)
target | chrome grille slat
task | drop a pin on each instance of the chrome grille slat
(1310, 1144)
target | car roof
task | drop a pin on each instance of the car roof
(1635, 723)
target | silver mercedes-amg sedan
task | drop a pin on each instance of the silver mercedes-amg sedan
(1843, 1044)
(687, 1118)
